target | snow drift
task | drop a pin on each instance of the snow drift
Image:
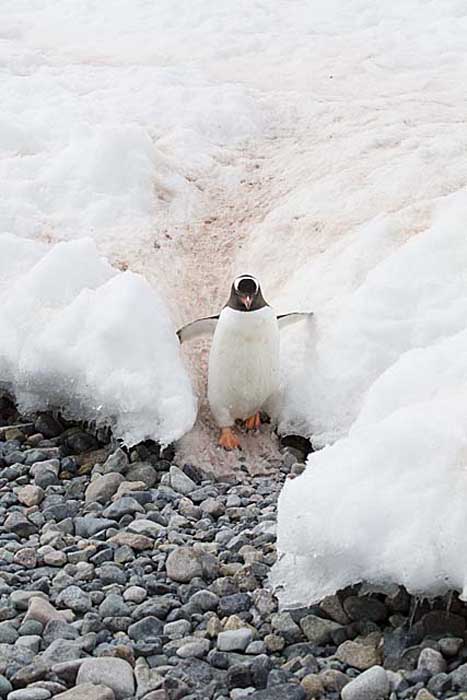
(385, 504)
(79, 335)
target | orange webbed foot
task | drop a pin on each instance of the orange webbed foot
(253, 422)
(228, 440)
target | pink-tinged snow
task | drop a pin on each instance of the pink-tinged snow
(319, 145)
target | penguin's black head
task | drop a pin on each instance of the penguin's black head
(246, 294)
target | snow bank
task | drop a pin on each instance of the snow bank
(77, 334)
(386, 504)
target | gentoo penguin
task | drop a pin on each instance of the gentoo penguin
(243, 374)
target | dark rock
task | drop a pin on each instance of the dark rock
(78, 441)
(20, 525)
(123, 506)
(259, 668)
(33, 456)
(148, 627)
(239, 676)
(116, 674)
(142, 472)
(218, 659)
(62, 650)
(89, 526)
(111, 573)
(74, 598)
(59, 629)
(441, 623)
(459, 678)
(439, 684)
(60, 511)
(364, 608)
(30, 673)
(48, 425)
(318, 630)
(232, 604)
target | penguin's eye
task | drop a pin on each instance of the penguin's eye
(247, 286)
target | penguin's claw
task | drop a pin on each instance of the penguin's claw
(253, 422)
(228, 440)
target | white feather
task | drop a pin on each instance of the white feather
(243, 364)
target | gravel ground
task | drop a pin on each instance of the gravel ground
(124, 575)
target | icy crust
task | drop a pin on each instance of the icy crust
(79, 335)
(386, 504)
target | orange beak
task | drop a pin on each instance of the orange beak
(247, 301)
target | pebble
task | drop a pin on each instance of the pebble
(432, 661)
(196, 649)
(51, 556)
(450, 646)
(365, 608)
(180, 482)
(318, 630)
(116, 674)
(147, 679)
(274, 642)
(332, 606)
(127, 505)
(312, 685)
(29, 694)
(130, 539)
(372, 684)
(177, 629)
(135, 594)
(147, 627)
(459, 678)
(74, 598)
(8, 633)
(62, 650)
(234, 640)
(360, 656)
(26, 557)
(19, 525)
(284, 623)
(41, 610)
(424, 694)
(5, 686)
(30, 495)
(183, 564)
(116, 462)
(102, 489)
(143, 526)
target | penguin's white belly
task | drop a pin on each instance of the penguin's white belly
(243, 364)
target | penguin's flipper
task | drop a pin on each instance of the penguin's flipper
(194, 329)
(289, 319)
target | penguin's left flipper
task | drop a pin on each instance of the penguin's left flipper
(197, 328)
(285, 320)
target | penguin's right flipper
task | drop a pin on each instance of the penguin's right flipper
(288, 319)
(197, 328)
